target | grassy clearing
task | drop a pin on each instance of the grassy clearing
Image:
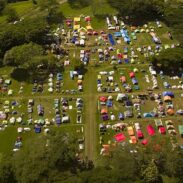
(22, 7)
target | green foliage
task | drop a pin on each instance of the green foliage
(30, 29)
(6, 171)
(138, 8)
(55, 16)
(79, 3)
(150, 174)
(11, 14)
(47, 4)
(21, 55)
(170, 59)
(2, 5)
(49, 159)
(44, 62)
(173, 18)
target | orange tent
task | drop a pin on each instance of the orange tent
(123, 79)
(167, 98)
(104, 111)
(170, 112)
(133, 140)
(130, 130)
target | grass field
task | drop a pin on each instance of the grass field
(91, 117)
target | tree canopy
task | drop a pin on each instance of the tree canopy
(21, 55)
(170, 59)
(138, 8)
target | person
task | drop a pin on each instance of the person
(170, 35)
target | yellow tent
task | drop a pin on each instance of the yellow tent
(77, 19)
(76, 27)
(89, 27)
(82, 29)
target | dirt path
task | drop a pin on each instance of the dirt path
(90, 122)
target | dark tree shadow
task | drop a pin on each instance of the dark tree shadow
(20, 75)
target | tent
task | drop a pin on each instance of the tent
(145, 142)
(111, 39)
(109, 103)
(181, 130)
(132, 74)
(121, 97)
(158, 122)
(117, 34)
(170, 112)
(119, 137)
(147, 115)
(180, 112)
(168, 93)
(162, 130)
(88, 19)
(123, 79)
(130, 130)
(105, 117)
(167, 98)
(37, 129)
(150, 130)
(103, 99)
(140, 135)
(133, 140)
(134, 81)
(103, 111)
(82, 29)
(77, 19)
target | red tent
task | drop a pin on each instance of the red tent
(140, 135)
(150, 130)
(120, 55)
(103, 99)
(88, 19)
(119, 137)
(123, 79)
(132, 74)
(144, 142)
(162, 130)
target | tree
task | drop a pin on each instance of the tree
(50, 158)
(173, 18)
(43, 62)
(6, 171)
(139, 8)
(2, 5)
(55, 16)
(21, 55)
(150, 174)
(169, 59)
(47, 4)
(28, 30)
(11, 14)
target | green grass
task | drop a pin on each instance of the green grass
(22, 8)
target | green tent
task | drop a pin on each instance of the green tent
(181, 130)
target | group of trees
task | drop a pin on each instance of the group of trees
(139, 8)
(170, 59)
(53, 158)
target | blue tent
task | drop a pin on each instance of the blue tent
(168, 93)
(121, 116)
(37, 129)
(111, 39)
(117, 34)
(109, 103)
(147, 115)
(134, 81)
